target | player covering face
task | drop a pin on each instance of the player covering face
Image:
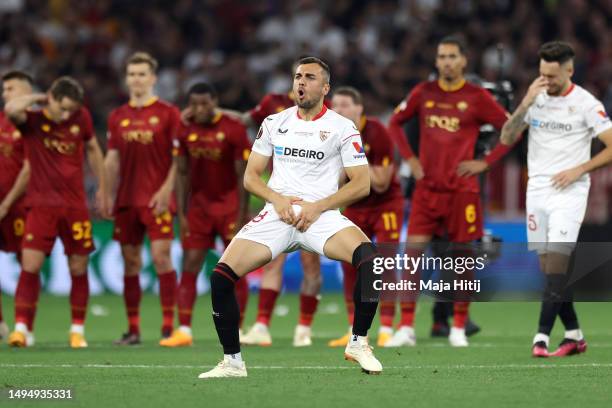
(55, 138)
(310, 146)
(562, 118)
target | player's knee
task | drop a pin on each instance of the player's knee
(78, 267)
(223, 279)
(132, 264)
(364, 253)
(192, 263)
(311, 263)
(161, 261)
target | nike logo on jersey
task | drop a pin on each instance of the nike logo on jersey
(563, 232)
(282, 132)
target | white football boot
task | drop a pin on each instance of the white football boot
(360, 351)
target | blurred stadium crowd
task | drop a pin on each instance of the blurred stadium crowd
(246, 48)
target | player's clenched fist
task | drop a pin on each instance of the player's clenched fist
(309, 214)
(282, 206)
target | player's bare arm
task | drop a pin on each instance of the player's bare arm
(182, 183)
(470, 168)
(16, 109)
(567, 177)
(357, 188)
(17, 190)
(243, 194)
(96, 162)
(253, 183)
(380, 178)
(160, 202)
(516, 125)
(111, 168)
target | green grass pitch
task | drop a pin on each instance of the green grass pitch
(496, 371)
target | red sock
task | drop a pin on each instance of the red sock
(387, 313)
(265, 307)
(460, 314)
(350, 277)
(131, 296)
(186, 297)
(308, 307)
(242, 296)
(79, 296)
(407, 313)
(26, 297)
(167, 298)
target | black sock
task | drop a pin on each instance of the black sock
(567, 313)
(441, 312)
(226, 314)
(551, 302)
(365, 310)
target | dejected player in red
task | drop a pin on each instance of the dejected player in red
(272, 277)
(55, 138)
(212, 153)
(140, 136)
(381, 213)
(446, 198)
(14, 174)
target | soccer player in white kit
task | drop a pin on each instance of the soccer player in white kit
(310, 147)
(562, 119)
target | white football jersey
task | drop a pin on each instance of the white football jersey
(560, 133)
(309, 155)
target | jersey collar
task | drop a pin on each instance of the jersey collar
(569, 90)
(150, 102)
(216, 118)
(451, 88)
(317, 116)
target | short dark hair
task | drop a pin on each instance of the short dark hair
(454, 40)
(315, 60)
(20, 75)
(202, 88)
(141, 57)
(351, 92)
(67, 87)
(557, 51)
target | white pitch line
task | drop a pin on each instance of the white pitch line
(435, 345)
(408, 367)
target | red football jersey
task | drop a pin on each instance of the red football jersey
(212, 150)
(143, 136)
(56, 155)
(274, 103)
(378, 148)
(11, 154)
(449, 123)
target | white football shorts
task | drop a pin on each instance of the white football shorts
(268, 229)
(554, 217)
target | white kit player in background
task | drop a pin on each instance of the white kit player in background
(310, 147)
(562, 119)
